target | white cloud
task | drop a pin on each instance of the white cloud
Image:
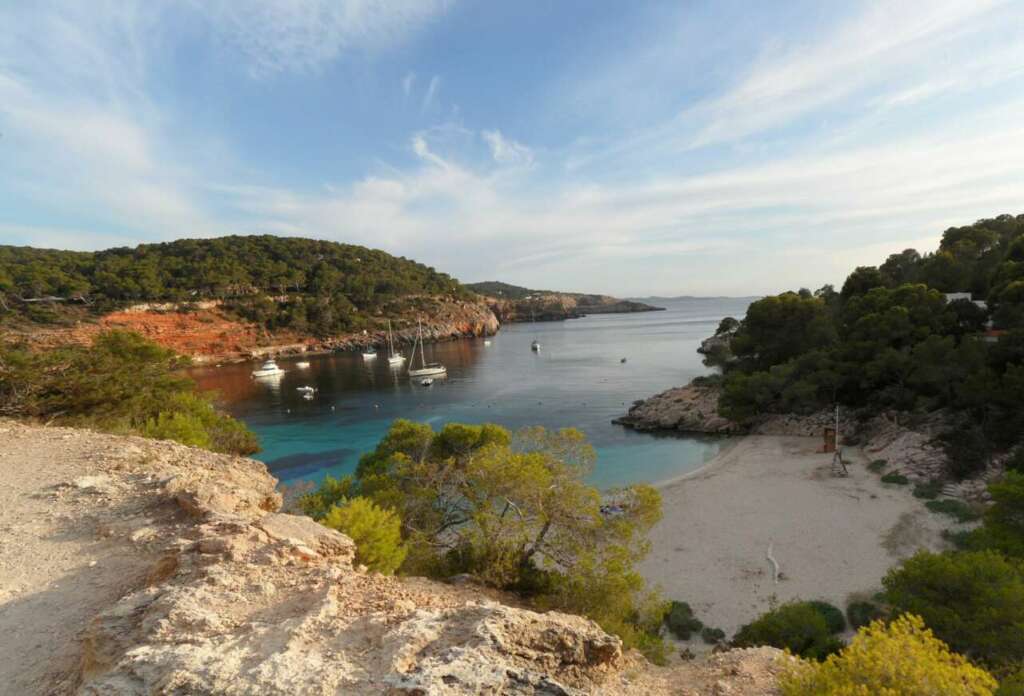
(407, 83)
(505, 150)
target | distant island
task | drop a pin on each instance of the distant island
(512, 303)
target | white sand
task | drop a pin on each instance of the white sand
(831, 536)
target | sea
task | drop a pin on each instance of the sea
(587, 372)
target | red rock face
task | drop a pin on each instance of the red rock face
(210, 334)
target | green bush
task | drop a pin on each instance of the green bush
(957, 509)
(681, 621)
(1004, 519)
(895, 477)
(972, 600)
(123, 384)
(712, 636)
(1011, 684)
(833, 616)
(797, 627)
(376, 532)
(878, 465)
(928, 491)
(902, 658)
(861, 613)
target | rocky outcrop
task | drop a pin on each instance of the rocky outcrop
(560, 306)
(689, 409)
(169, 570)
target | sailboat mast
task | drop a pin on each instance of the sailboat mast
(423, 355)
(391, 342)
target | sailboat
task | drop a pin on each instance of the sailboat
(535, 346)
(393, 357)
(425, 369)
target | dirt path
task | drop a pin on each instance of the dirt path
(61, 556)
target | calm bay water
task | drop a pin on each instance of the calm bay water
(576, 380)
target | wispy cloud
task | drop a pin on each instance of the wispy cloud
(407, 83)
(506, 151)
(431, 93)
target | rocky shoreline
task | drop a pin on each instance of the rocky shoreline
(562, 306)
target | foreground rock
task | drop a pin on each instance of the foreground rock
(689, 409)
(130, 566)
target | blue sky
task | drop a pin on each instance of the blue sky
(632, 148)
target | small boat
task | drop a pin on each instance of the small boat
(306, 389)
(623, 360)
(425, 369)
(369, 354)
(535, 346)
(302, 364)
(487, 343)
(268, 369)
(394, 358)
(427, 381)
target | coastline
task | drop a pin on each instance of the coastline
(833, 537)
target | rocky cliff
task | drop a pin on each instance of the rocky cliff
(130, 566)
(208, 333)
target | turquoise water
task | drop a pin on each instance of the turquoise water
(577, 379)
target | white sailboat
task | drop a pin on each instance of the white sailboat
(425, 369)
(393, 357)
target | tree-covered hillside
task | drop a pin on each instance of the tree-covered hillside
(318, 285)
(891, 339)
(504, 291)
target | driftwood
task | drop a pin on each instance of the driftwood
(775, 565)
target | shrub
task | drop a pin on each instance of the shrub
(895, 477)
(712, 636)
(972, 600)
(1016, 460)
(878, 465)
(122, 383)
(928, 491)
(957, 509)
(833, 616)
(681, 621)
(1004, 520)
(861, 613)
(1012, 684)
(901, 659)
(375, 531)
(797, 627)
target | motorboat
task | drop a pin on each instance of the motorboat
(369, 354)
(425, 369)
(306, 389)
(268, 369)
(302, 364)
(535, 346)
(487, 343)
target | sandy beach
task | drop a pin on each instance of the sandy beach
(831, 536)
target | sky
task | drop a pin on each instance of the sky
(711, 147)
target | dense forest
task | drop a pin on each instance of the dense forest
(891, 339)
(304, 284)
(505, 291)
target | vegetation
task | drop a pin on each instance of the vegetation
(798, 627)
(860, 613)
(974, 601)
(121, 384)
(899, 659)
(1003, 529)
(505, 291)
(929, 490)
(833, 616)
(896, 478)
(514, 511)
(680, 620)
(957, 509)
(712, 636)
(878, 466)
(376, 532)
(890, 340)
(301, 284)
